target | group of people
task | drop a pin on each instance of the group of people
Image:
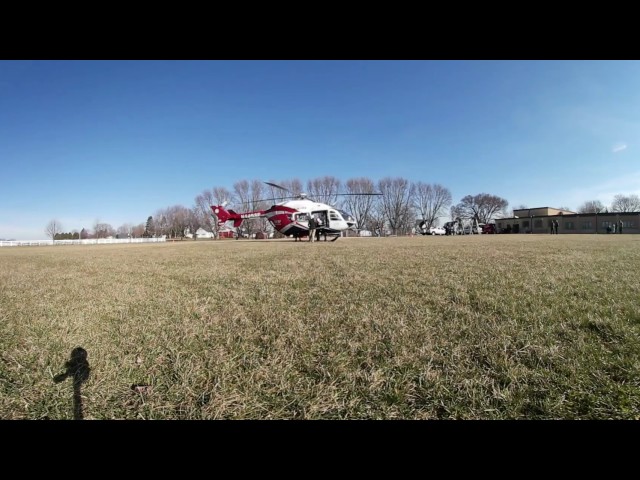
(612, 228)
(553, 225)
(314, 224)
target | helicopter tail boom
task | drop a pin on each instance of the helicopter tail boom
(226, 215)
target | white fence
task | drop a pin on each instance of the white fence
(91, 241)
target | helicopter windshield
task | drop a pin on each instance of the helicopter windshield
(347, 216)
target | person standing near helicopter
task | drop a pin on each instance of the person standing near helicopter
(312, 228)
(319, 225)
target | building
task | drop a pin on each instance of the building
(223, 232)
(538, 220)
(202, 233)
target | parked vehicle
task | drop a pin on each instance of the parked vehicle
(489, 228)
(437, 231)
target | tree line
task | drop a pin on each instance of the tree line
(620, 203)
(401, 206)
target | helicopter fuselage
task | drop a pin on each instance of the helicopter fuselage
(292, 218)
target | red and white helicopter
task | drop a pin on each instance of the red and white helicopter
(291, 218)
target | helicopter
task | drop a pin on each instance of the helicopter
(291, 218)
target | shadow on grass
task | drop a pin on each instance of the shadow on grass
(77, 367)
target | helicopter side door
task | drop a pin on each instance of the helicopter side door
(322, 217)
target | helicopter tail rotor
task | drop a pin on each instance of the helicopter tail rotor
(224, 215)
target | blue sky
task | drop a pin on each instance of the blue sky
(114, 141)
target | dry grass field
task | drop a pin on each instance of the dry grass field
(473, 327)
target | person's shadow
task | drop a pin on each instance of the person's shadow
(77, 367)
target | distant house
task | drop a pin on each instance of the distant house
(202, 233)
(226, 232)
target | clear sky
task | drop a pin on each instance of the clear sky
(114, 141)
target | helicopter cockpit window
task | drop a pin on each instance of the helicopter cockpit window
(347, 216)
(302, 217)
(333, 215)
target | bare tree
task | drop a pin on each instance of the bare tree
(455, 213)
(258, 202)
(249, 196)
(361, 206)
(221, 195)
(177, 220)
(324, 189)
(430, 201)
(201, 220)
(483, 207)
(395, 201)
(103, 230)
(207, 199)
(591, 206)
(125, 230)
(53, 228)
(622, 203)
(195, 220)
(241, 191)
(407, 221)
(203, 202)
(377, 220)
(138, 230)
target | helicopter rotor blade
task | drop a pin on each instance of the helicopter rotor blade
(358, 194)
(277, 186)
(274, 199)
(302, 195)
